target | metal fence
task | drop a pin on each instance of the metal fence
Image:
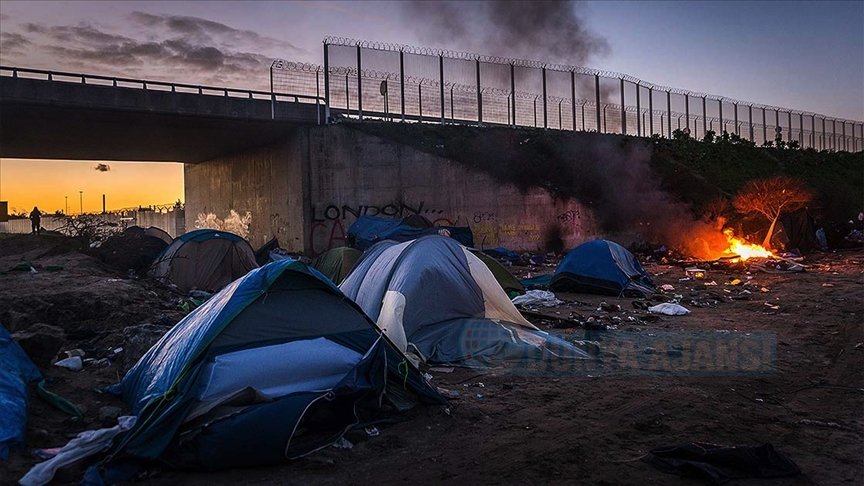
(362, 79)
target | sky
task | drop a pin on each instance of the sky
(806, 56)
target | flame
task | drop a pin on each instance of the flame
(745, 250)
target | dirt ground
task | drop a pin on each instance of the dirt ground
(794, 380)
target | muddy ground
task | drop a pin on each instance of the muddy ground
(745, 367)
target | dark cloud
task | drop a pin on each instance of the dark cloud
(102, 167)
(156, 46)
(10, 41)
(546, 30)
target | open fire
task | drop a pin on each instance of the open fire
(744, 250)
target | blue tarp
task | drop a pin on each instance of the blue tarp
(16, 371)
(368, 230)
(602, 267)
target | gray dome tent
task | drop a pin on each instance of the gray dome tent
(204, 259)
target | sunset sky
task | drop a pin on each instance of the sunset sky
(802, 55)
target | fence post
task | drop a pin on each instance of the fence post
(347, 96)
(813, 131)
(651, 112)
(317, 95)
(402, 82)
(545, 114)
(420, 99)
(669, 112)
(704, 117)
(623, 113)
(441, 83)
(764, 127)
(272, 95)
(735, 110)
(479, 94)
(834, 134)
(687, 111)
(573, 101)
(801, 130)
(327, 85)
(597, 99)
(638, 112)
(583, 116)
(359, 86)
(721, 126)
(513, 91)
(845, 141)
(777, 123)
(452, 113)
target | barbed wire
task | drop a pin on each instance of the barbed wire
(470, 56)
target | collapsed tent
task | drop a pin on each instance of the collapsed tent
(276, 365)
(602, 267)
(337, 263)
(434, 297)
(204, 259)
(368, 230)
(797, 231)
(134, 249)
(16, 371)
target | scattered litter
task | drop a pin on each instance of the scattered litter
(764, 290)
(74, 363)
(667, 288)
(711, 283)
(74, 352)
(772, 306)
(537, 297)
(827, 284)
(609, 307)
(343, 443)
(372, 432)
(685, 279)
(669, 309)
(697, 273)
(735, 282)
(649, 350)
(442, 369)
(449, 394)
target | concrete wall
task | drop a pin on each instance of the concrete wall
(353, 173)
(266, 181)
(308, 190)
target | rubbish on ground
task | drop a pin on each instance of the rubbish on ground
(775, 307)
(74, 363)
(57, 401)
(343, 443)
(667, 288)
(669, 309)
(537, 297)
(827, 284)
(372, 432)
(697, 273)
(82, 446)
(735, 281)
(609, 307)
(711, 283)
(641, 304)
(649, 350)
(764, 290)
(449, 394)
(74, 352)
(684, 279)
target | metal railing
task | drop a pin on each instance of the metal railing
(364, 79)
(162, 86)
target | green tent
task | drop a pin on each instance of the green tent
(337, 263)
(507, 281)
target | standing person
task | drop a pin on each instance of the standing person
(35, 220)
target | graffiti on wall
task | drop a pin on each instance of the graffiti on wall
(330, 222)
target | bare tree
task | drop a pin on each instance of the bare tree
(770, 198)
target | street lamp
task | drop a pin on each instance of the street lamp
(66, 211)
(80, 202)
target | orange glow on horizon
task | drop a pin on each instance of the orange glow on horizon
(44, 183)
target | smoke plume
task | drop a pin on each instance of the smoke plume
(552, 31)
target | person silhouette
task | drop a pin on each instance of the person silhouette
(35, 220)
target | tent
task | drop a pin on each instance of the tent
(368, 230)
(151, 231)
(505, 279)
(204, 259)
(601, 267)
(432, 296)
(798, 231)
(134, 249)
(276, 365)
(337, 263)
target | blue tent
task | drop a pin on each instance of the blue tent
(436, 299)
(368, 230)
(16, 371)
(601, 267)
(276, 365)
